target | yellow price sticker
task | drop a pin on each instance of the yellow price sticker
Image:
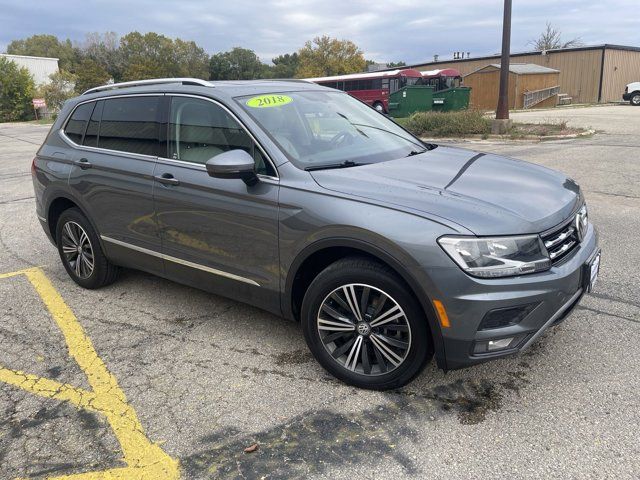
(270, 100)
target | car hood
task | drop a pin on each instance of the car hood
(485, 193)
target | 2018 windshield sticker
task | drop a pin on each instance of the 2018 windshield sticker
(263, 101)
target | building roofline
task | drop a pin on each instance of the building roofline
(28, 56)
(605, 46)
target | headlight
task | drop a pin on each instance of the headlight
(498, 256)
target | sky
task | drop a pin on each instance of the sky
(393, 30)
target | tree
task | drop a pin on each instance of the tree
(62, 87)
(16, 92)
(145, 56)
(236, 64)
(90, 74)
(325, 56)
(47, 46)
(396, 64)
(551, 39)
(152, 56)
(285, 66)
(103, 49)
(189, 60)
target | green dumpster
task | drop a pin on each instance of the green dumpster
(410, 99)
(451, 99)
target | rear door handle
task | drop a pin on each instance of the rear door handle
(167, 179)
(83, 163)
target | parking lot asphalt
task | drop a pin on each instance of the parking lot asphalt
(150, 379)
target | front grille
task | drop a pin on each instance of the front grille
(561, 241)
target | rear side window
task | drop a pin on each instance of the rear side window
(77, 124)
(131, 125)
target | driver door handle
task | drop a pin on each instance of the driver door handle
(167, 179)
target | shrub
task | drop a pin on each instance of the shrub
(444, 124)
(16, 92)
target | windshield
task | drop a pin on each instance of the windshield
(319, 129)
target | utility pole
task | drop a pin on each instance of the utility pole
(502, 123)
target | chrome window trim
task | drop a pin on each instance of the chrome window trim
(237, 119)
(186, 263)
(140, 156)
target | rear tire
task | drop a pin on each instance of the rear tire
(81, 253)
(364, 326)
(635, 100)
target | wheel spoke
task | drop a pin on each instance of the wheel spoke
(393, 341)
(366, 364)
(76, 267)
(68, 249)
(338, 352)
(354, 353)
(340, 301)
(388, 316)
(88, 265)
(386, 351)
(335, 314)
(332, 337)
(71, 234)
(332, 326)
(352, 300)
(364, 300)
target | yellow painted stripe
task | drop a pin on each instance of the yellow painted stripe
(145, 459)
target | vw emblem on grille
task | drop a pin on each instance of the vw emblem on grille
(582, 222)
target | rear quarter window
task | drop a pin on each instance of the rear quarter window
(77, 124)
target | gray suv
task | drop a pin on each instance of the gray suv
(307, 203)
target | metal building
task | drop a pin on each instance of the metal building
(39, 67)
(530, 86)
(587, 74)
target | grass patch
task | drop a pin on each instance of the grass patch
(548, 128)
(447, 124)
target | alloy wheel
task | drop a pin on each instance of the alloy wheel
(364, 329)
(77, 250)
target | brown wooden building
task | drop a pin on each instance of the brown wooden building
(530, 86)
(587, 74)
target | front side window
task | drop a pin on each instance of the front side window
(131, 125)
(319, 128)
(199, 130)
(77, 124)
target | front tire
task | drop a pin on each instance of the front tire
(363, 325)
(81, 253)
(635, 100)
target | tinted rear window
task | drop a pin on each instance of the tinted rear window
(77, 124)
(131, 125)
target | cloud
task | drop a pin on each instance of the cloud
(408, 30)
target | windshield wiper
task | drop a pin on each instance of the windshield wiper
(413, 152)
(327, 166)
(423, 146)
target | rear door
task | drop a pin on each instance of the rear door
(217, 234)
(114, 162)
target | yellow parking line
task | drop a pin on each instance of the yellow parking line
(144, 459)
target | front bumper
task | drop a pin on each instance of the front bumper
(551, 295)
(626, 97)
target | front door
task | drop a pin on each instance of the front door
(217, 234)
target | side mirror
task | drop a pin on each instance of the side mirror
(233, 164)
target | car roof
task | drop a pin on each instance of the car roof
(219, 89)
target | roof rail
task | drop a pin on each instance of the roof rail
(153, 81)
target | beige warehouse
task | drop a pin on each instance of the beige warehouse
(587, 74)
